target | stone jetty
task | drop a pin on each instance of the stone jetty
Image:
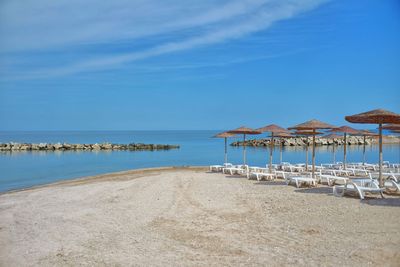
(319, 141)
(61, 147)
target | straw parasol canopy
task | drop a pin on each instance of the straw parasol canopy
(345, 130)
(333, 136)
(366, 133)
(393, 127)
(282, 135)
(244, 130)
(377, 116)
(306, 133)
(225, 135)
(312, 125)
(272, 129)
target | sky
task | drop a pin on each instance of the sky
(195, 65)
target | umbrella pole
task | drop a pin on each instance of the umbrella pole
(280, 152)
(244, 149)
(226, 152)
(313, 155)
(344, 151)
(334, 154)
(271, 147)
(380, 156)
(364, 150)
(307, 154)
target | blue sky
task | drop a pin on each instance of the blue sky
(147, 65)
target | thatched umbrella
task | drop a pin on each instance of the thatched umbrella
(312, 125)
(377, 116)
(333, 136)
(345, 130)
(273, 129)
(364, 134)
(307, 134)
(225, 135)
(244, 130)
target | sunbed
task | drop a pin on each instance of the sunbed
(358, 186)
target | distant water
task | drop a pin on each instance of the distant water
(25, 169)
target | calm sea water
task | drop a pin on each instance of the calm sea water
(25, 169)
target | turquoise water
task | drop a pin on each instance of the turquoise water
(25, 169)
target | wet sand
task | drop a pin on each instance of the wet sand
(189, 217)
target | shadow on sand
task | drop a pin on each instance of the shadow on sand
(235, 176)
(315, 190)
(389, 202)
(269, 183)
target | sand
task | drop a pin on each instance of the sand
(188, 217)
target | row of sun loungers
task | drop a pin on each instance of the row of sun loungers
(357, 178)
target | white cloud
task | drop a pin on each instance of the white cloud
(40, 25)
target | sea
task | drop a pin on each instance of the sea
(20, 170)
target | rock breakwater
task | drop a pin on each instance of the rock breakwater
(319, 141)
(104, 146)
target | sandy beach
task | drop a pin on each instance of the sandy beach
(189, 217)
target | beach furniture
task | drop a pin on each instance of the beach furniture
(218, 168)
(357, 171)
(359, 187)
(395, 176)
(331, 180)
(260, 175)
(391, 185)
(343, 172)
(300, 180)
(237, 169)
(282, 174)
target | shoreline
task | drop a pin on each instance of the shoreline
(111, 176)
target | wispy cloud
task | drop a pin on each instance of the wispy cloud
(152, 28)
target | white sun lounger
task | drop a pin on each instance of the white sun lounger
(359, 187)
(261, 175)
(391, 184)
(299, 180)
(218, 168)
(238, 169)
(332, 179)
